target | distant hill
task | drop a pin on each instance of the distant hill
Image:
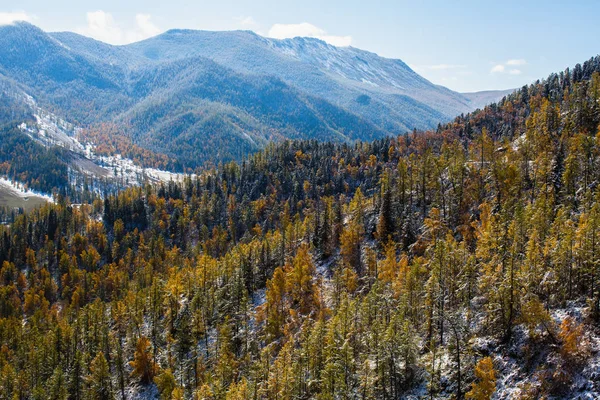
(201, 96)
(486, 97)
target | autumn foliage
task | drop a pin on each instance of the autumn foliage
(312, 270)
(143, 364)
(485, 386)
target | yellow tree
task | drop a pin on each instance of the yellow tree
(99, 378)
(485, 386)
(571, 334)
(226, 369)
(238, 391)
(165, 383)
(389, 265)
(489, 260)
(143, 363)
(281, 380)
(300, 282)
(350, 246)
(533, 314)
(272, 312)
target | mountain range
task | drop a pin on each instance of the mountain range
(199, 96)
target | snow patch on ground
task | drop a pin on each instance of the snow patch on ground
(18, 189)
(139, 392)
(259, 297)
(51, 130)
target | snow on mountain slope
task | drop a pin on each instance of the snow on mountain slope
(371, 71)
(339, 74)
(200, 96)
(486, 97)
(51, 130)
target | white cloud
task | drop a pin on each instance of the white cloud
(285, 31)
(246, 21)
(498, 69)
(502, 68)
(102, 26)
(145, 28)
(516, 62)
(8, 18)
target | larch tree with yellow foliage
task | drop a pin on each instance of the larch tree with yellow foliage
(485, 386)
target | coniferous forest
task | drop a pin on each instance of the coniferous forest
(459, 263)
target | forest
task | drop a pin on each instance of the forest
(459, 263)
(26, 161)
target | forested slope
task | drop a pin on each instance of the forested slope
(198, 97)
(449, 264)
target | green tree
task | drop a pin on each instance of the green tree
(99, 379)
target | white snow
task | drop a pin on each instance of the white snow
(259, 297)
(51, 130)
(19, 190)
(368, 82)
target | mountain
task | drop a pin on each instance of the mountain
(486, 97)
(201, 96)
(43, 154)
(341, 75)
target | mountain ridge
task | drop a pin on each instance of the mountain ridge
(329, 93)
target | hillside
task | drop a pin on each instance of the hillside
(449, 264)
(42, 155)
(197, 96)
(486, 97)
(340, 75)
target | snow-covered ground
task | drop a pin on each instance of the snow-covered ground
(525, 367)
(51, 130)
(17, 189)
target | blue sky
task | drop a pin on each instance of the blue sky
(464, 45)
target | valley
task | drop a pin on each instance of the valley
(11, 196)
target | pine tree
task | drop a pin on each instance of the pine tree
(226, 368)
(57, 385)
(99, 379)
(385, 223)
